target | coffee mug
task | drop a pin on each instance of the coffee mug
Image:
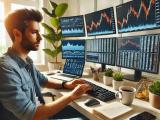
(126, 94)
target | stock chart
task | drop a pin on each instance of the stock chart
(100, 22)
(72, 26)
(73, 49)
(138, 15)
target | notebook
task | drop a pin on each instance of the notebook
(73, 68)
(106, 111)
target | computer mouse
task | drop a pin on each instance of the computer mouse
(91, 102)
(58, 71)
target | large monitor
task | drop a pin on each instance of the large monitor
(140, 53)
(74, 49)
(100, 22)
(72, 26)
(101, 50)
(138, 15)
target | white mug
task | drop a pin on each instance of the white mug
(126, 94)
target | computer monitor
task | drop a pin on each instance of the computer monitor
(101, 50)
(74, 66)
(74, 49)
(100, 22)
(72, 26)
(140, 53)
(138, 15)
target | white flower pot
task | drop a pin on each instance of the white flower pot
(107, 80)
(116, 84)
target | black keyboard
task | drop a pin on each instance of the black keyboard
(100, 93)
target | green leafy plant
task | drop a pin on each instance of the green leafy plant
(155, 87)
(108, 72)
(118, 76)
(53, 33)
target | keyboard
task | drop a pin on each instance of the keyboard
(100, 93)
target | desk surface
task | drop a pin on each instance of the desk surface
(137, 106)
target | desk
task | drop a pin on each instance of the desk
(137, 106)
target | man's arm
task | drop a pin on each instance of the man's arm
(57, 84)
(50, 109)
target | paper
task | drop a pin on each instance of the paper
(111, 111)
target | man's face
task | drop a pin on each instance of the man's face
(31, 37)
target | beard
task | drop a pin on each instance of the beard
(28, 45)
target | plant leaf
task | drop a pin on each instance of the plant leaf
(48, 28)
(60, 9)
(53, 4)
(52, 53)
(51, 38)
(47, 12)
(54, 21)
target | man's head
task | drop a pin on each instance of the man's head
(23, 28)
(19, 20)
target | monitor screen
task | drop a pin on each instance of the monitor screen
(72, 26)
(100, 22)
(139, 52)
(73, 49)
(101, 50)
(138, 15)
(74, 66)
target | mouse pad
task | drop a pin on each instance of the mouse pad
(106, 111)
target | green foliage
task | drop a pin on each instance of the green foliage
(155, 87)
(108, 72)
(118, 76)
(53, 31)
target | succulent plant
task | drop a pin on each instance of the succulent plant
(118, 76)
(108, 72)
(155, 87)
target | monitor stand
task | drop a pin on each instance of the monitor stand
(103, 66)
(134, 77)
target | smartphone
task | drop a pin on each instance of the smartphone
(144, 116)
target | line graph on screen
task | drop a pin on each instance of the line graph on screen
(100, 22)
(139, 15)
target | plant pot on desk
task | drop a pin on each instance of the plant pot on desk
(107, 80)
(54, 66)
(154, 94)
(117, 80)
(154, 100)
(116, 84)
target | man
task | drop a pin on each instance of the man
(20, 81)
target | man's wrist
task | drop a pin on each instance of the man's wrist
(63, 84)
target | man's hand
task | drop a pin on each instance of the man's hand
(74, 83)
(79, 91)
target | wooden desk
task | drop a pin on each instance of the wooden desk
(138, 106)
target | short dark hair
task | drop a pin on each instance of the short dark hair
(18, 19)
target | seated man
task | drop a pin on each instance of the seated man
(20, 81)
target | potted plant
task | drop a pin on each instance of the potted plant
(107, 77)
(117, 80)
(53, 34)
(154, 94)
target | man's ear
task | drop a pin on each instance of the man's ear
(17, 33)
